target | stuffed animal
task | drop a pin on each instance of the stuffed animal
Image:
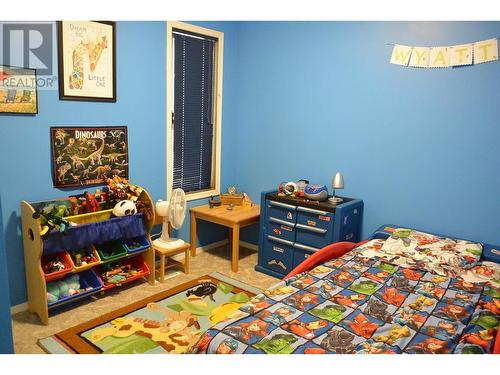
(70, 286)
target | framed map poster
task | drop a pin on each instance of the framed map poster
(88, 155)
(18, 90)
(87, 60)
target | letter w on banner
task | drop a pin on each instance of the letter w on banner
(401, 55)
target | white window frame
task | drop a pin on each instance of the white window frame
(217, 110)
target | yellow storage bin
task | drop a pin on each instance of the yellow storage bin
(90, 249)
(91, 217)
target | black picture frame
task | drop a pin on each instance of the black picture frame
(4, 105)
(63, 76)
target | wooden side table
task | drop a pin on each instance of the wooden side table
(234, 219)
(168, 253)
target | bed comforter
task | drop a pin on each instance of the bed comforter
(363, 302)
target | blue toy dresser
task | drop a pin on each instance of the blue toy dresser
(291, 229)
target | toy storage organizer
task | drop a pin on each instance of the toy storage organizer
(111, 241)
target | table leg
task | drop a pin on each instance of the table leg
(186, 261)
(193, 234)
(235, 247)
(162, 268)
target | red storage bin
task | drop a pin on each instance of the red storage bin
(135, 262)
(64, 258)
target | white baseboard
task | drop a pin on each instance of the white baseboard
(24, 306)
(19, 308)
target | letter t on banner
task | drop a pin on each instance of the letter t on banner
(461, 55)
(401, 55)
(486, 50)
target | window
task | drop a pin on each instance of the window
(194, 102)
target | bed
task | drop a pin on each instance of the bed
(402, 291)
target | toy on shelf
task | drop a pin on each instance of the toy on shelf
(53, 266)
(49, 221)
(118, 273)
(70, 286)
(124, 208)
(83, 257)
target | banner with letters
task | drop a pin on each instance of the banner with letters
(445, 57)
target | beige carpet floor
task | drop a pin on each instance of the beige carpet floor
(27, 329)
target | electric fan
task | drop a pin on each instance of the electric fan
(174, 211)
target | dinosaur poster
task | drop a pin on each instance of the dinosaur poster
(88, 155)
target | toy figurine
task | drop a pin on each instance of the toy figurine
(92, 204)
(53, 266)
(49, 221)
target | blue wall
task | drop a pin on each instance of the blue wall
(141, 84)
(301, 100)
(6, 345)
(419, 146)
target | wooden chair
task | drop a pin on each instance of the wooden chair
(166, 255)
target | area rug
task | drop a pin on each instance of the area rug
(168, 322)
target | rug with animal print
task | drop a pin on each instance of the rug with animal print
(169, 322)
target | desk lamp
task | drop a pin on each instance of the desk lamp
(337, 183)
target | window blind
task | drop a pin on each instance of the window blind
(193, 112)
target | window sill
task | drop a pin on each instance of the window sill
(201, 194)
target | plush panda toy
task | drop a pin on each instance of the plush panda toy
(124, 208)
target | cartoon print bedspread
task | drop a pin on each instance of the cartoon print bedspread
(359, 304)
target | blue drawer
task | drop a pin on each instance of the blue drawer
(312, 236)
(350, 224)
(282, 211)
(315, 218)
(301, 253)
(281, 229)
(278, 255)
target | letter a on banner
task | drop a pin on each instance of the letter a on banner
(401, 55)
(486, 50)
(438, 57)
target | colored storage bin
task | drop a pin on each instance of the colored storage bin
(281, 229)
(282, 211)
(312, 236)
(64, 258)
(91, 217)
(315, 218)
(87, 279)
(278, 255)
(94, 253)
(137, 244)
(301, 253)
(111, 250)
(137, 262)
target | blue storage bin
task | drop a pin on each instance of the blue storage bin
(281, 229)
(278, 255)
(87, 279)
(84, 235)
(282, 211)
(142, 243)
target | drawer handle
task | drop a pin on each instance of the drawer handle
(279, 221)
(305, 247)
(282, 205)
(312, 229)
(276, 239)
(311, 211)
(277, 263)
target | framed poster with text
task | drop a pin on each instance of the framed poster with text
(88, 155)
(87, 60)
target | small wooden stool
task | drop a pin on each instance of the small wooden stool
(168, 253)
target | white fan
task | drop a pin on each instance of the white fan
(175, 212)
